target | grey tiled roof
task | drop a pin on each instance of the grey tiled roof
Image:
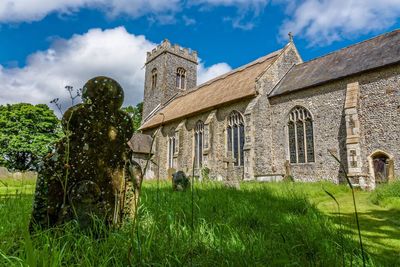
(232, 86)
(377, 52)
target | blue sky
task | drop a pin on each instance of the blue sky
(47, 44)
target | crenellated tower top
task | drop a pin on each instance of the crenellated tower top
(175, 49)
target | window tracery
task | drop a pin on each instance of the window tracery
(199, 144)
(171, 148)
(301, 136)
(181, 78)
(236, 137)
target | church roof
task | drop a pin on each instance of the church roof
(377, 52)
(237, 84)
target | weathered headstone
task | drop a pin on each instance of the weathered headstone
(231, 180)
(87, 173)
(180, 181)
(132, 189)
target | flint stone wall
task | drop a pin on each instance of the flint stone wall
(213, 158)
(378, 114)
(325, 104)
(261, 117)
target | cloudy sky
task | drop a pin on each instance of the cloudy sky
(48, 44)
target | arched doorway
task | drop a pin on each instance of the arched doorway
(380, 162)
(381, 166)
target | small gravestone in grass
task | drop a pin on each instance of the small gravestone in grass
(180, 182)
(231, 180)
(87, 175)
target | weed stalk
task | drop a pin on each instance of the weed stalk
(340, 223)
(354, 203)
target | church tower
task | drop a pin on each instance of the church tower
(170, 69)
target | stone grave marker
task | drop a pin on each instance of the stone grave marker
(180, 182)
(230, 179)
(88, 173)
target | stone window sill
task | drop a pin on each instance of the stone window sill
(302, 164)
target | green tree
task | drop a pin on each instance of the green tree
(136, 114)
(26, 131)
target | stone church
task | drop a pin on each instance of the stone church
(278, 116)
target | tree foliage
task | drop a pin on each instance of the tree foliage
(26, 131)
(136, 114)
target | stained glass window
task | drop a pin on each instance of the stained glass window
(301, 136)
(310, 140)
(300, 142)
(241, 136)
(229, 138)
(200, 148)
(236, 137)
(235, 144)
(196, 150)
(171, 148)
(198, 143)
(292, 143)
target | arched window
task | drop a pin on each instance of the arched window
(181, 78)
(198, 144)
(171, 148)
(301, 136)
(154, 78)
(235, 137)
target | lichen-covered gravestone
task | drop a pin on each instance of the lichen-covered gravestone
(180, 182)
(87, 173)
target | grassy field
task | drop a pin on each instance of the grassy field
(269, 224)
(10, 186)
(380, 225)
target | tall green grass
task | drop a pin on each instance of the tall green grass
(259, 225)
(387, 195)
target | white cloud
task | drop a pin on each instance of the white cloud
(207, 73)
(161, 11)
(239, 22)
(325, 21)
(188, 21)
(247, 11)
(114, 53)
(35, 10)
(241, 3)
(319, 21)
